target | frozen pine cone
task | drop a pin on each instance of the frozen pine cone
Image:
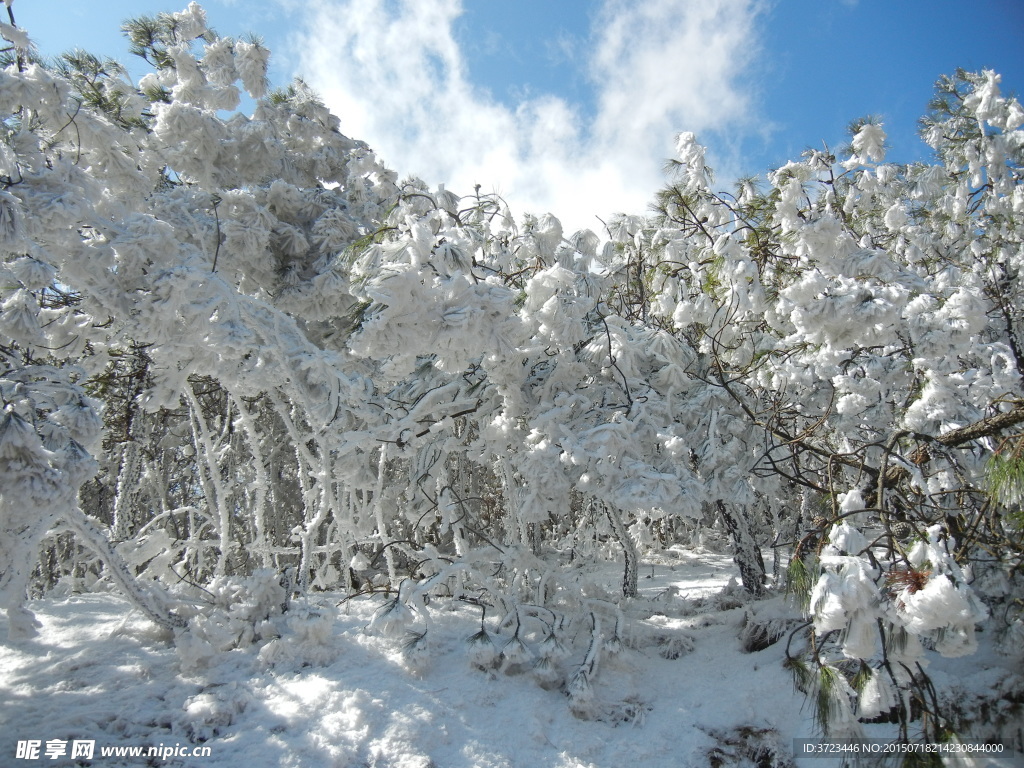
(901, 529)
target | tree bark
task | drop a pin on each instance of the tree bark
(632, 558)
(987, 427)
(746, 553)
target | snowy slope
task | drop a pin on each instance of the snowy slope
(328, 693)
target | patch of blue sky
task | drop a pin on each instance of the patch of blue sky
(826, 63)
(529, 47)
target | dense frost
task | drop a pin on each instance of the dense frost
(243, 365)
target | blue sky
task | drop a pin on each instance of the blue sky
(572, 107)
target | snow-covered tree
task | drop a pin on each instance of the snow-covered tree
(862, 321)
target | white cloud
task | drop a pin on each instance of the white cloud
(395, 75)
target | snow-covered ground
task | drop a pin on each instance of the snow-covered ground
(328, 693)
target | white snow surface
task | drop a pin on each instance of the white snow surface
(98, 670)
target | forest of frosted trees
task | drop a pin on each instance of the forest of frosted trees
(242, 361)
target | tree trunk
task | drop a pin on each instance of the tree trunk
(150, 599)
(630, 573)
(746, 553)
